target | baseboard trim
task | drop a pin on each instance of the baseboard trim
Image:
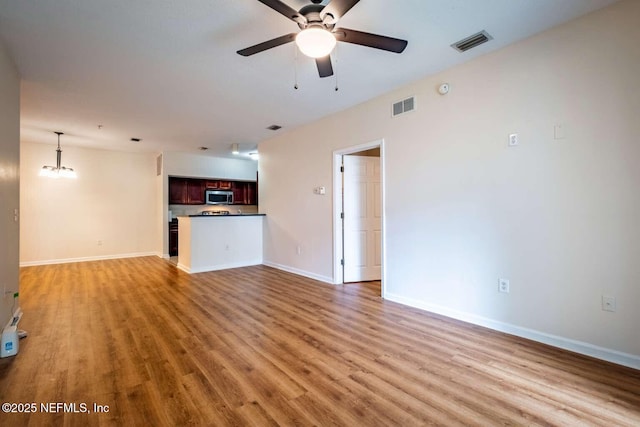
(299, 272)
(86, 259)
(219, 266)
(614, 356)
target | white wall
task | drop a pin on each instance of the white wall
(195, 166)
(558, 217)
(113, 200)
(9, 182)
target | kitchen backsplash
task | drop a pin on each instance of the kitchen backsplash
(182, 210)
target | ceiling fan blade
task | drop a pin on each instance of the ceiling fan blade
(325, 69)
(371, 40)
(337, 9)
(260, 47)
(285, 10)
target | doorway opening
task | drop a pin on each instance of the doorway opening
(358, 209)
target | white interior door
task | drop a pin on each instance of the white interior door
(362, 232)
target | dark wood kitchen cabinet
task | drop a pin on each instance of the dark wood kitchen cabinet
(191, 191)
(177, 191)
(186, 191)
(252, 193)
(216, 184)
(244, 193)
(195, 192)
(173, 238)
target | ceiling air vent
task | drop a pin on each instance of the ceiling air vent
(472, 41)
(403, 106)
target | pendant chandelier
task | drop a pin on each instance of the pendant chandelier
(58, 170)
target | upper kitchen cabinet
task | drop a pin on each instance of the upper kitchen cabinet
(244, 193)
(186, 191)
(218, 184)
(177, 191)
(191, 191)
(195, 192)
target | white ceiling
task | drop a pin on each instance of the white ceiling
(166, 71)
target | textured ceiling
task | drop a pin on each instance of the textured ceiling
(166, 71)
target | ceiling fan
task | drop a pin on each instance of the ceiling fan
(319, 33)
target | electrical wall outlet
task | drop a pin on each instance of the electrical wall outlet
(321, 191)
(608, 303)
(559, 131)
(503, 285)
(513, 139)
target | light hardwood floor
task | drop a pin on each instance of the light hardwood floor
(257, 346)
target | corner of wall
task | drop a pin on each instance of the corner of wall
(9, 182)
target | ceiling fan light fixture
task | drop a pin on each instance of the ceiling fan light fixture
(315, 41)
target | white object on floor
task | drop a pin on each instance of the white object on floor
(9, 345)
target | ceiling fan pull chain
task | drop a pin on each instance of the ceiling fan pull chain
(335, 61)
(295, 67)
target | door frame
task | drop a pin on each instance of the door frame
(338, 270)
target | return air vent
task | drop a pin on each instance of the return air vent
(403, 106)
(472, 41)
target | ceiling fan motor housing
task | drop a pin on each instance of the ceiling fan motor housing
(311, 13)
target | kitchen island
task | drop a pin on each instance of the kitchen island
(210, 242)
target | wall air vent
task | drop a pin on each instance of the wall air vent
(403, 106)
(472, 41)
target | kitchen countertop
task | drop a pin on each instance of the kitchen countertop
(226, 216)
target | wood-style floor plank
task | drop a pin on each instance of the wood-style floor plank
(259, 346)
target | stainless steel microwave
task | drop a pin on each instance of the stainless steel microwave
(217, 197)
